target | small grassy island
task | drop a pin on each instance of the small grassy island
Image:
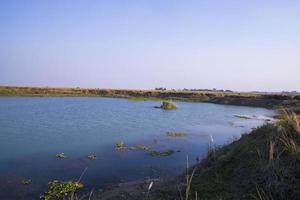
(167, 105)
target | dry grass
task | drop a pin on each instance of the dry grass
(231, 98)
(291, 119)
(262, 165)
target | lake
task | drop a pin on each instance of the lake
(34, 130)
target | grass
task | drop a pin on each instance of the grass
(176, 134)
(120, 145)
(232, 98)
(264, 164)
(140, 147)
(167, 105)
(62, 190)
(60, 155)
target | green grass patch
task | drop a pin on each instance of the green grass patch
(61, 190)
(60, 155)
(176, 134)
(141, 147)
(120, 145)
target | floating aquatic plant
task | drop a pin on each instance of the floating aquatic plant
(140, 147)
(60, 155)
(92, 157)
(120, 145)
(26, 182)
(61, 190)
(176, 134)
(161, 153)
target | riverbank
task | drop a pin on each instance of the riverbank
(266, 100)
(264, 164)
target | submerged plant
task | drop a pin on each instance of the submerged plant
(60, 155)
(92, 157)
(161, 153)
(120, 145)
(26, 182)
(176, 134)
(61, 190)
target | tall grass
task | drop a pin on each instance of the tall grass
(188, 179)
(289, 132)
(291, 119)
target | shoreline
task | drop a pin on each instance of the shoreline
(215, 171)
(241, 169)
(251, 99)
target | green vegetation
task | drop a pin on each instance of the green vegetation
(60, 155)
(61, 190)
(161, 153)
(140, 147)
(120, 145)
(26, 182)
(261, 165)
(143, 99)
(92, 157)
(230, 98)
(176, 134)
(167, 105)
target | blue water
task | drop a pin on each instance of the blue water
(34, 130)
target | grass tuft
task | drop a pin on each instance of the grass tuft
(167, 105)
(176, 134)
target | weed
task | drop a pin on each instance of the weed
(26, 182)
(92, 157)
(176, 134)
(60, 155)
(120, 145)
(161, 153)
(59, 190)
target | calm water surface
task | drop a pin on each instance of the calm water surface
(34, 130)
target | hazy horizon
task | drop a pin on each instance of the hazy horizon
(236, 45)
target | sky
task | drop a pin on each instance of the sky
(142, 44)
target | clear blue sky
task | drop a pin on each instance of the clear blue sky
(226, 44)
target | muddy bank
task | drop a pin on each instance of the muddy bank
(229, 98)
(160, 189)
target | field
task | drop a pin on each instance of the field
(267, 100)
